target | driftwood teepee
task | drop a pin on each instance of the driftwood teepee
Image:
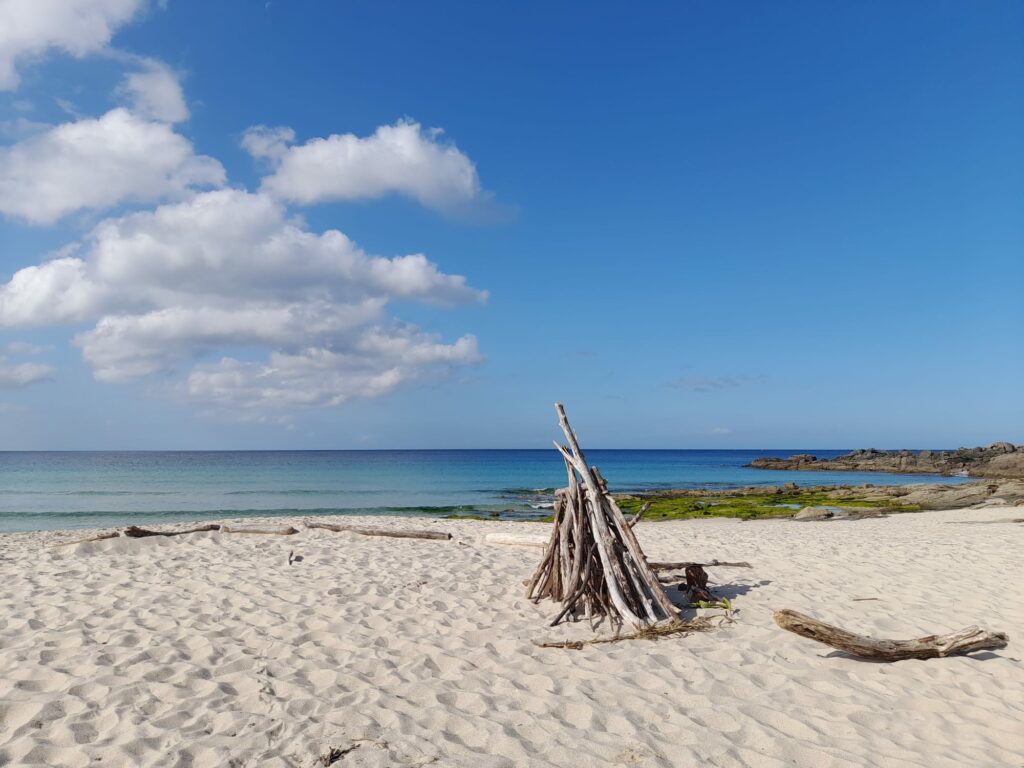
(593, 564)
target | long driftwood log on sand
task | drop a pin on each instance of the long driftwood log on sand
(517, 539)
(134, 532)
(286, 530)
(440, 535)
(933, 646)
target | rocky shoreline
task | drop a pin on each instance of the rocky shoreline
(858, 501)
(999, 460)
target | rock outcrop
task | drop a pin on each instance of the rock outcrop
(999, 460)
(814, 513)
(917, 495)
(936, 496)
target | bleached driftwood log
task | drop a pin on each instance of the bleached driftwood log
(134, 532)
(933, 646)
(397, 534)
(593, 564)
(517, 539)
(286, 530)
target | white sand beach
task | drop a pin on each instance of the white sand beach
(211, 650)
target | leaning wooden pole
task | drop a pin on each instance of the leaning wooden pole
(593, 564)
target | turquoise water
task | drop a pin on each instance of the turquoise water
(93, 489)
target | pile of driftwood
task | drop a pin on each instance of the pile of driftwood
(593, 564)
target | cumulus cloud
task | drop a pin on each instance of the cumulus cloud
(23, 374)
(29, 28)
(399, 159)
(217, 292)
(155, 93)
(228, 270)
(265, 143)
(375, 364)
(15, 375)
(97, 163)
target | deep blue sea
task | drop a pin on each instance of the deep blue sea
(96, 489)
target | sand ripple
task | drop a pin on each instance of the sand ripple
(210, 650)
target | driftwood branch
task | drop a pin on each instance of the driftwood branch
(516, 539)
(397, 534)
(665, 629)
(134, 532)
(933, 646)
(286, 530)
(682, 566)
(640, 513)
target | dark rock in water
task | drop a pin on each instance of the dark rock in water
(999, 460)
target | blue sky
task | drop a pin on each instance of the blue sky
(697, 224)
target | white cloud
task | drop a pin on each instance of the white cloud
(266, 143)
(57, 291)
(29, 28)
(155, 93)
(397, 159)
(227, 271)
(16, 375)
(378, 362)
(97, 163)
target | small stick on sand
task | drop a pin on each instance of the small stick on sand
(441, 535)
(674, 627)
(933, 646)
(100, 537)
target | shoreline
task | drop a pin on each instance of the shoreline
(746, 502)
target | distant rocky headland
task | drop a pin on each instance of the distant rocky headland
(999, 460)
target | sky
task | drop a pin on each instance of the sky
(275, 225)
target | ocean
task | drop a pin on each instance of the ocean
(49, 490)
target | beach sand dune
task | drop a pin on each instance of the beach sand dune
(211, 650)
